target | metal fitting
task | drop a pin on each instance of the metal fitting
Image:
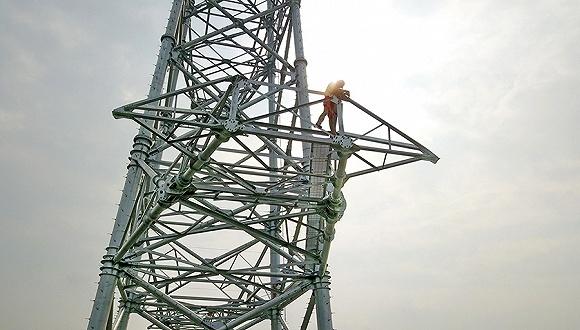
(109, 267)
(343, 141)
(168, 36)
(231, 125)
(141, 146)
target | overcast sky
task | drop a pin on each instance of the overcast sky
(488, 238)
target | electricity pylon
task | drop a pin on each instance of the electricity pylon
(231, 197)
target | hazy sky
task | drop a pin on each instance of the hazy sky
(488, 238)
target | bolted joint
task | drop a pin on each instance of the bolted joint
(169, 37)
(169, 192)
(175, 55)
(230, 126)
(120, 112)
(141, 146)
(300, 60)
(237, 22)
(322, 282)
(332, 210)
(162, 190)
(344, 142)
(109, 267)
(181, 183)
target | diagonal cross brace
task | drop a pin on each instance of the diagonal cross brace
(167, 299)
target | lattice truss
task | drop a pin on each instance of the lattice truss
(235, 209)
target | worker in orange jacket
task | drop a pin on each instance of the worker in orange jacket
(334, 89)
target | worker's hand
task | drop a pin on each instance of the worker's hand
(343, 95)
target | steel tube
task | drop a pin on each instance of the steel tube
(108, 277)
(301, 78)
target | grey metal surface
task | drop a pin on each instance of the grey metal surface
(231, 200)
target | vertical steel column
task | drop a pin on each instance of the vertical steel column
(273, 163)
(319, 156)
(108, 277)
(301, 78)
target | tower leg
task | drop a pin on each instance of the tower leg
(108, 277)
(322, 298)
(322, 292)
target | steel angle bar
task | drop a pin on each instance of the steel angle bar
(255, 200)
(275, 113)
(378, 168)
(257, 152)
(262, 196)
(122, 319)
(364, 160)
(165, 257)
(210, 268)
(230, 175)
(283, 323)
(283, 253)
(432, 157)
(146, 168)
(145, 268)
(257, 271)
(152, 214)
(281, 217)
(282, 170)
(259, 234)
(206, 277)
(250, 152)
(218, 63)
(263, 96)
(240, 24)
(230, 279)
(176, 110)
(231, 253)
(277, 150)
(286, 136)
(204, 298)
(152, 319)
(292, 293)
(250, 324)
(131, 106)
(278, 174)
(393, 152)
(248, 63)
(382, 141)
(287, 86)
(183, 149)
(217, 66)
(168, 300)
(159, 240)
(194, 79)
(308, 313)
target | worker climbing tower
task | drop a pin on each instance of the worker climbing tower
(231, 197)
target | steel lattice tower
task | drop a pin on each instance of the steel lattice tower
(231, 198)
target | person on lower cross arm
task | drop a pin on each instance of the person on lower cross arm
(334, 89)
